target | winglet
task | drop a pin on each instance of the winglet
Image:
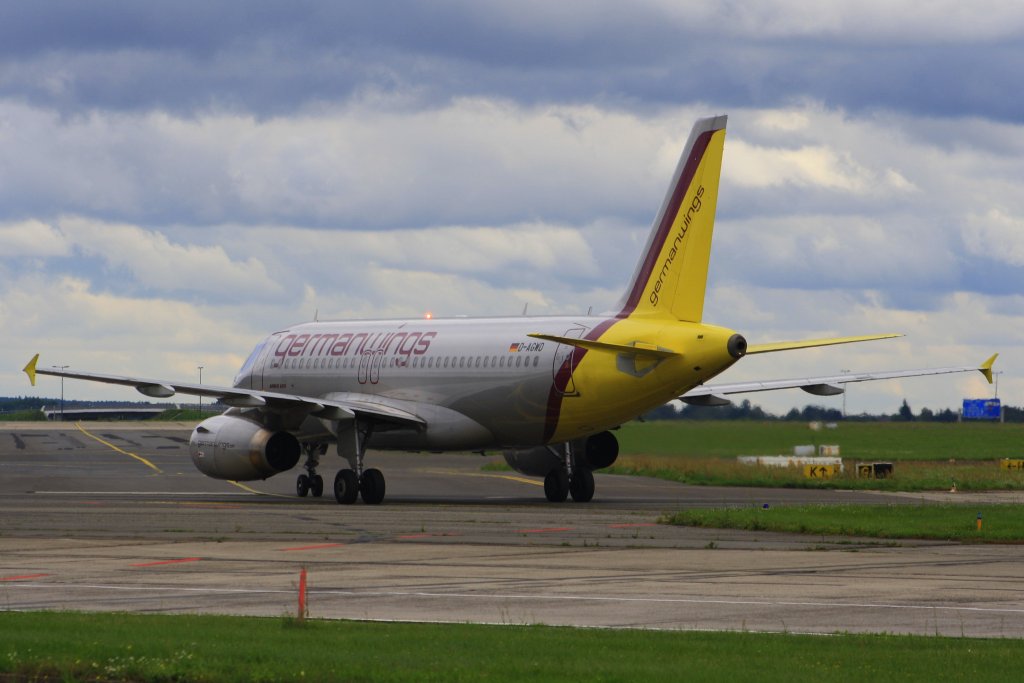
(30, 369)
(986, 367)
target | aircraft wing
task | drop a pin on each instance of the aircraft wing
(331, 408)
(829, 385)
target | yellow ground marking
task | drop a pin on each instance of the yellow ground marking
(119, 450)
(510, 477)
(252, 490)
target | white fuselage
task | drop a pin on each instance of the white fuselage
(478, 383)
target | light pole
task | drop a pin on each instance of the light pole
(200, 381)
(845, 386)
(62, 368)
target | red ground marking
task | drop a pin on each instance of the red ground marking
(544, 531)
(178, 561)
(313, 547)
(628, 526)
(23, 577)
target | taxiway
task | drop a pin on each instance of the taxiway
(114, 517)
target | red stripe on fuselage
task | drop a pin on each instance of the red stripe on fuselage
(561, 380)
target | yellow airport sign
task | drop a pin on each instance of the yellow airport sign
(820, 471)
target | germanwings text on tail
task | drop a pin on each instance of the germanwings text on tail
(548, 391)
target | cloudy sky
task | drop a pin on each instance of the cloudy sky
(178, 179)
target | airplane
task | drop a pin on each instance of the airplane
(547, 391)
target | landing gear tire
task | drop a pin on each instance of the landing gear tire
(346, 487)
(372, 486)
(316, 485)
(556, 486)
(582, 485)
(302, 485)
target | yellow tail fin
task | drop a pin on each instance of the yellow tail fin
(672, 274)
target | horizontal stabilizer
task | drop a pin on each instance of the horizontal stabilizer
(811, 343)
(639, 349)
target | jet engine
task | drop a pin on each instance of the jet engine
(594, 453)
(229, 447)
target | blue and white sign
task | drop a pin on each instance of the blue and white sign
(981, 409)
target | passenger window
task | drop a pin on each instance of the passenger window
(535, 360)
(503, 361)
(519, 361)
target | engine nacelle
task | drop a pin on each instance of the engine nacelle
(598, 451)
(535, 462)
(229, 447)
(594, 453)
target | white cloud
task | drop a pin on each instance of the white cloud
(31, 238)
(996, 235)
(69, 323)
(156, 262)
(826, 219)
(809, 165)
(869, 21)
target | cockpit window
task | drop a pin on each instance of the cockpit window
(250, 361)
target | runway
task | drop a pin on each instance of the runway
(114, 517)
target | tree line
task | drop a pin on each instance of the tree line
(745, 410)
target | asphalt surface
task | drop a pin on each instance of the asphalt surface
(114, 517)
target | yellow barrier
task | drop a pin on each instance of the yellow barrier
(1012, 464)
(874, 470)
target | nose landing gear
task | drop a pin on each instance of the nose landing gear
(311, 482)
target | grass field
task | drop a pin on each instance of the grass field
(892, 441)
(926, 456)
(1000, 523)
(122, 647)
(23, 416)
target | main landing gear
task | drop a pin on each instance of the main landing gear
(348, 485)
(569, 479)
(357, 482)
